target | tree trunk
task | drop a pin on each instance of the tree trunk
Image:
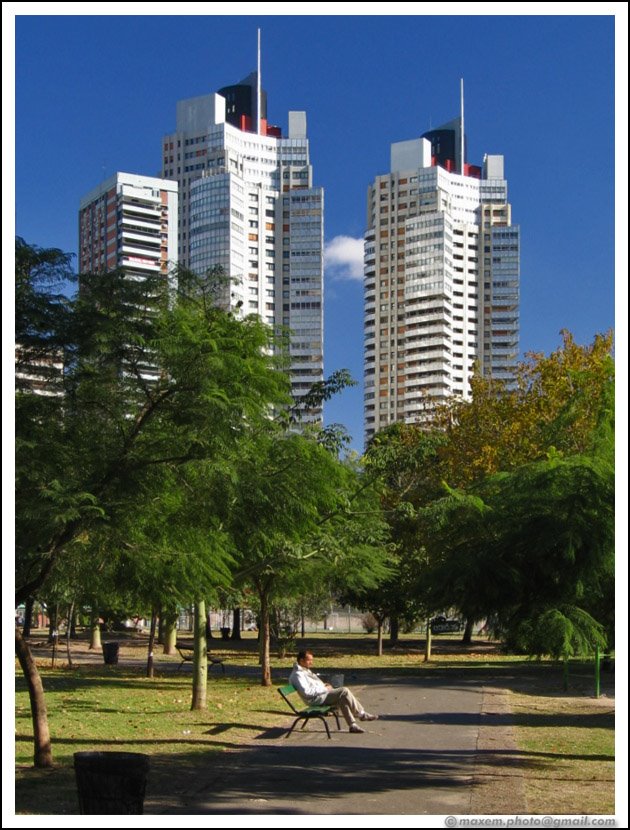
(52, 623)
(274, 625)
(28, 617)
(151, 642)
(467, 638)
(160, 624)
(169, 638)
(302, 623)
(264, 638)
(68, 632)
(428, 643)
(73, 622)
(393, 629)
(208, 625)
(41, 735)
(95, 631)
(379, 634)
(55, 639)
(236, 624)
(200, 658)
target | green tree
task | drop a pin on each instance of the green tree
(117, 421)
(150, 382)
(298, 513)
(285, 484)
(442, 480)
(406, 461)
(42, 308)
(527, 548)
(396, 596)
(178, 550)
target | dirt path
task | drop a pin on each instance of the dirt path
(499, 777)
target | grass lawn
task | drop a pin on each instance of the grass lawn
(566, 742)
(569, 750)
(112, 709)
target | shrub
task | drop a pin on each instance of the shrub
(369, 623)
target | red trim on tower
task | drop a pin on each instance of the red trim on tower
(472, 170)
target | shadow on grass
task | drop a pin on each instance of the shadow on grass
(271, 733)
(56, 680)
(120, 743)
(219, 728)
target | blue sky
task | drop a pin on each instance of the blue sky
(95, 94)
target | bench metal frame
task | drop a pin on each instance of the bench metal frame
(188, 655)
(309, 713)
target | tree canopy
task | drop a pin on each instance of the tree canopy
(510, 497)
(162, 386)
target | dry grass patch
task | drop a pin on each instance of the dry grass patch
(568, 746)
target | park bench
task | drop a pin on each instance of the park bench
(188, 655)
(287, 692)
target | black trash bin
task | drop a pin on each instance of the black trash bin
(110, 653)
(225, 633)
(111, 783)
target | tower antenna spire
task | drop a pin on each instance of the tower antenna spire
(461, 126)
(258, 88)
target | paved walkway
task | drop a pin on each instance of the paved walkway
(421, 757)
(443, 745)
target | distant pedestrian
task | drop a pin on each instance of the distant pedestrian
(315, 692)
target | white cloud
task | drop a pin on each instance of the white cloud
(343, 258)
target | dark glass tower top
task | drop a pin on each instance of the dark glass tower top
(241, 101)
(446, 144)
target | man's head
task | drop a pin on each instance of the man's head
(305, 659)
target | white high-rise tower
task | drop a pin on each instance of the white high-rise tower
(129, 222)
(441, 278)
(247, 203)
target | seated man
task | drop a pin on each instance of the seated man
(315, 692)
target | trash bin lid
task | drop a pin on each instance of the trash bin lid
(116, 761)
